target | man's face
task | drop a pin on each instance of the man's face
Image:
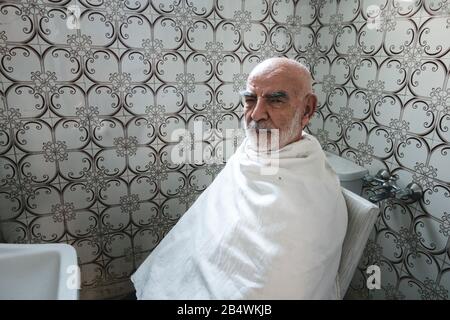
(273, 101)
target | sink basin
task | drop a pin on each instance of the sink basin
(38, 271)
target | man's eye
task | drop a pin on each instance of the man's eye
(276, 100)
(249, 101)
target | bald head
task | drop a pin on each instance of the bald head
(288, 68)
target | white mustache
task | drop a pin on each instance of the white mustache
(258, 126)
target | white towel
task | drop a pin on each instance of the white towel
(254, 236)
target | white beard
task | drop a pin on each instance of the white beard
(267, 139)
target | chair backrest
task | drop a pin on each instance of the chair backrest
(362, 215)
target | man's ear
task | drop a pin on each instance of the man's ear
(310, 108)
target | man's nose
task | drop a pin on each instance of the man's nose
(260, 110)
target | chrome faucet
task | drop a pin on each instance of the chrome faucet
(410, 194)
(381, 177)
(380, 196)
(384, 186)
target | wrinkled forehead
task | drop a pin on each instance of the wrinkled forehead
(265, 83)
(281, 72)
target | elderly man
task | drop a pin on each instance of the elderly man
(252, 235)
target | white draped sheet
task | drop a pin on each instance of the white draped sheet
(255, 236)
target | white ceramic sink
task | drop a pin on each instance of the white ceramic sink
(38, 271)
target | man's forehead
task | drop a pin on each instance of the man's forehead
(273, 82)
(271, 77)
(264, 88)
(266, 93)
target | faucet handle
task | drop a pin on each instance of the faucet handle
(383, 174)
(367, 178)
(394, 177)
(412, 193)
(392, 181)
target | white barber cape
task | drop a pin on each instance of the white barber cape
(255, 236)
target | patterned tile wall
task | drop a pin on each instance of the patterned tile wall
(382, 70)
(89, 106)
(87, 111)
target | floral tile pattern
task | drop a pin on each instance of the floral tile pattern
(89, 100)
(382, 80)
(87, 111)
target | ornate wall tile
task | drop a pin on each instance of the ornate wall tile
(104, 99)
(87, 250)
(16, 231)
(387, 111)
(173, 183)
(173, 208)
(404, 93)
(134, 68)
(104, 67)
(117, 246)
(135, 33)
(25, 101)
(401, 36)
(90, 272)
(79, 224)
(416, 146)
(358, 289)
(117, 218)
(121, 268)
(91, 113)
(48, 229)
(417, 114)
(22, 64)
(46, 201)
(147, 214)
(436, 201)
(282, 11)
(17, 31)
(69, 101)
(11, 207)
(393, 245)
(391, 274)
(433, 44)
(325, 9)
(444, 278)
(383, 145)
(426, 80)
(439, 161)
(432, 233)
(410, 287)
(55, 19)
